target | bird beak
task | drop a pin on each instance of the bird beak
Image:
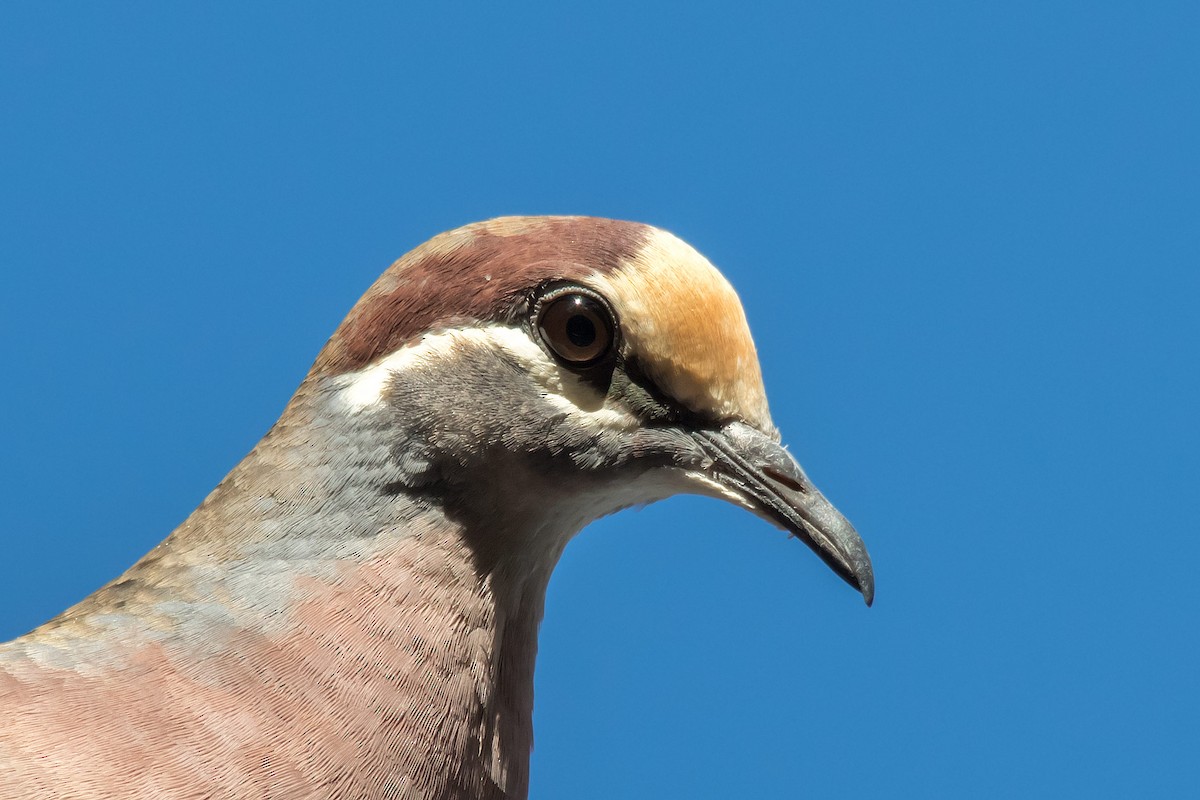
(769, 482)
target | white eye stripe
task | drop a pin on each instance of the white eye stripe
(366, 388)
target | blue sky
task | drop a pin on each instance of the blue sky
(967, 237)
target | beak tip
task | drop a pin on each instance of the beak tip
(864, 581)
(770, 481)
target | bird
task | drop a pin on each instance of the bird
(353, 611)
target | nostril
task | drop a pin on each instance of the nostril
(786, 480)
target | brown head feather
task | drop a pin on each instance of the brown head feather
(473, 273)
(679, 316)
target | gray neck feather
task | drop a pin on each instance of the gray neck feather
(323, 493)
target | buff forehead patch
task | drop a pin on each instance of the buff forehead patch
(686, 324)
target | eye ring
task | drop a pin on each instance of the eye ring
(577, 326)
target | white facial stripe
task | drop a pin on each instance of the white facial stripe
(366, 388)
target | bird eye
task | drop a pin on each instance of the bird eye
(577, 328)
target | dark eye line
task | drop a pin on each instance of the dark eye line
(658, 406)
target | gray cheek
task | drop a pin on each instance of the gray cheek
(458, 422)
(446, 424)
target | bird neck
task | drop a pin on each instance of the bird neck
(305, 595)
(436, 656)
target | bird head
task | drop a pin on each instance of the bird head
(530, 374)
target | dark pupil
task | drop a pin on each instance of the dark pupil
(581, 330)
